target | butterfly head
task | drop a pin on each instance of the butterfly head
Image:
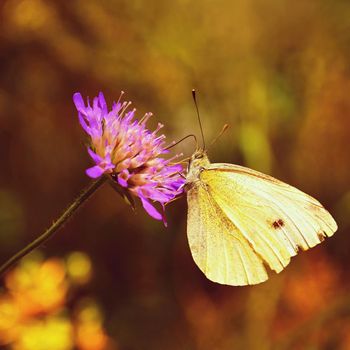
(199, 158)
(198, 161)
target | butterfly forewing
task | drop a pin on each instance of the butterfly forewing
(309, 222)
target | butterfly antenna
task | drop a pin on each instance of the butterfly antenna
(224, 128)
(199, 119)
(184, 138)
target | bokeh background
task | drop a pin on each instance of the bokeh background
(277, 72)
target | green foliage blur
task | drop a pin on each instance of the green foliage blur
(277, 72)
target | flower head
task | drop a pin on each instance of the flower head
(124, 148)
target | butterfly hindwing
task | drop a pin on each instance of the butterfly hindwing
(217, 246)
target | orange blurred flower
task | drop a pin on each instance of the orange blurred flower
(307, 292)
(310, 288)
(90, 334)
(33, 314)
(37, 287)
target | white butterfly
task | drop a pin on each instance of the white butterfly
(240, 220)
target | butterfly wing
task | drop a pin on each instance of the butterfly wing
(217, 246)
(270, 219)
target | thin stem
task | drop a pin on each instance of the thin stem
(67, 214)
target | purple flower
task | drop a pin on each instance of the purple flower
(124, 148)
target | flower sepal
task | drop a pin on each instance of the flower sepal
(123, 192)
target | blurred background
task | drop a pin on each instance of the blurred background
(277, 72)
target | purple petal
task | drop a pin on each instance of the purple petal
(83, 123)
(97, 159)
(95, 172)
(159, 196)
(95, 103)
(177, 168)
(103, 103)
(150, 209)
(129, 116)
(122, 182)
(123, 178)
(79, 102)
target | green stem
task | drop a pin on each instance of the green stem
(68, 213)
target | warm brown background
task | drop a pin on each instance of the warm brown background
(276, 71)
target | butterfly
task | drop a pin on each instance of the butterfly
(240, 220)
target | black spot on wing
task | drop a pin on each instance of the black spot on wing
(321, 235)
(278, 224)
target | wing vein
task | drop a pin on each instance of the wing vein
(268, 198)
